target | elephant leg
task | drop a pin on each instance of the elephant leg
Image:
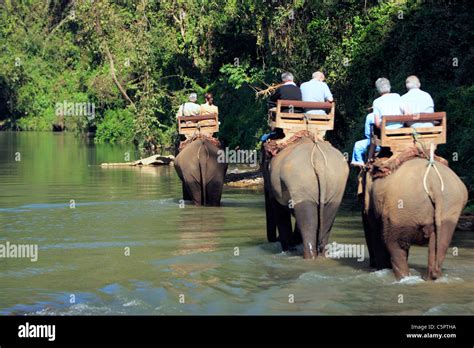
(186, 195)
(447, 230)
(369, 240)
(399, 259)
(329, 216)
(283, 221)
(306, 214)
(214, 192)
(194, 189)
(382, 254)
(270, 218)
(296, 238)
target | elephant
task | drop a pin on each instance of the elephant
(200, 172)
(415, 204)
(306, 179)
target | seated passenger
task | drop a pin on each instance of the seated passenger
(190, 108)
(316, 90)
(208, 107)
(416, 101)
(360, 147)
(288, 91)
(387, 104)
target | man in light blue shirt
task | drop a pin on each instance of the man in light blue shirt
(387, 104)
(416, 101)
(360, 147)
(316, 90)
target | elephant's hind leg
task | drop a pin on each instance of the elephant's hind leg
(399, 259)
(193, 188)
(330, 211)
(446, 234)
(214, 193)
(306, 214)
(186, 195)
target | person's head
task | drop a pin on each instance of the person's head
(318, 75)
(287, 77)
(193, 97)
(383, 85)
(412, 82)
(209, 98)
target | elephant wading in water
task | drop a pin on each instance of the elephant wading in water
(306, 179)
(418, 203)
(199, 170)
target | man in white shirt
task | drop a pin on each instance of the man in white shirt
(190, 108)
(316, 90)
(416, 101)
(387, 104)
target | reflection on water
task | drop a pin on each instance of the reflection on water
(175, 251)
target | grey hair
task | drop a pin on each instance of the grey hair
(318, 75)
(412, 82)
(383, 85)
(193, 97)
(287, 76)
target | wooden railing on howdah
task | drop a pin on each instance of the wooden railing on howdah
(293, 116)
(398, 139)
(190, 125)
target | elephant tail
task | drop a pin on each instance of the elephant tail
(202, 160)
(322, 195)
(437, 200)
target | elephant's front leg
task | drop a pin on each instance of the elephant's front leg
(369, 240)
(270, 218)
(306, 214)
(283, 221)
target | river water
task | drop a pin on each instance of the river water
(118, 241)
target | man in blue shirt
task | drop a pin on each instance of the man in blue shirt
(316, 90)
(360, 147)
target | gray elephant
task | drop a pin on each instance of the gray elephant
(306, 179)
(200, 172)
(415, 204)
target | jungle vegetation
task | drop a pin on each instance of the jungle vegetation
(137, 61)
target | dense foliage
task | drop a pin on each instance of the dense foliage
(56, 51)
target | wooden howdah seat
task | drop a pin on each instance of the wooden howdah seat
(202, 124)
(400, 139)
(291, 121)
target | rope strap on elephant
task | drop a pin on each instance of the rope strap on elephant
(212, 140)
(382, 167)
(273, 148)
